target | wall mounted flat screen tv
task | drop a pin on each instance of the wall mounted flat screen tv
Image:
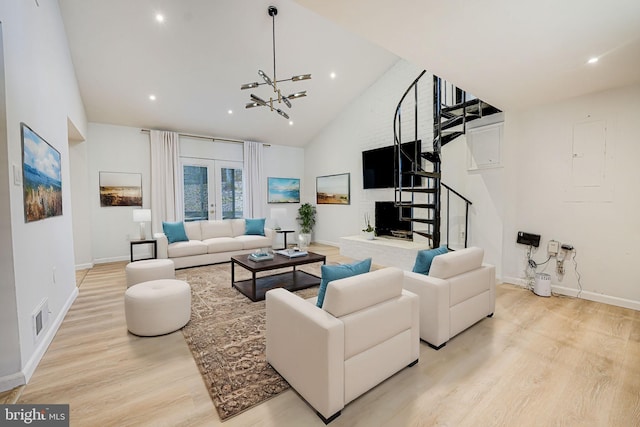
(378, 166)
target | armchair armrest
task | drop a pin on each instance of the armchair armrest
(434, 306)
(305, 344)
(162, 245)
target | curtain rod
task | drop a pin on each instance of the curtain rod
(212, 138)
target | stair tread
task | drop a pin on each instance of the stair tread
(423, 173)
(417, 205)
(417, 190)
(422, 220)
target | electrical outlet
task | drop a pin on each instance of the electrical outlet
(553, 247)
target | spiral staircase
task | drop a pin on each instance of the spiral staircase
(452, 109)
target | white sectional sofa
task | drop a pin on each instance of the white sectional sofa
(212, 242)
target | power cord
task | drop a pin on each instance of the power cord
(578, 276)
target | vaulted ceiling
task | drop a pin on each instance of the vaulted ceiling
(514, 54)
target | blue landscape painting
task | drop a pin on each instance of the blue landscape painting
(284, 190)
(41, 176)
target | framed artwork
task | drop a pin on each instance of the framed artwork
(41, 177)
(333, 189)
(283, 190)
(120, 189)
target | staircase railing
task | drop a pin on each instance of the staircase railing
(452, 109)
(467, 203)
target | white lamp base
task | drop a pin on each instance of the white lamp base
(143, 235)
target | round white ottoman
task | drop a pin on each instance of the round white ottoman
(157, 307)
(149, 269)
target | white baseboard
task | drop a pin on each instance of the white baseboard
(591, 296)
(112, 259)
(9, 382)
(85, 266)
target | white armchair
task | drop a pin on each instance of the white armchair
(458, 292)
(366, 331)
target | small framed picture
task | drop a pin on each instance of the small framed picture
(333, 189)
(283, 190)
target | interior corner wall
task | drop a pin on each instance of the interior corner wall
(43, 97)
(601, 224)
(364, 124)
(112, 148)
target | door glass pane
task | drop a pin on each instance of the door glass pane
(232, 197)
(196, 200)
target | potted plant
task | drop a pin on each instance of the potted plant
(307, 219)
(368, 230)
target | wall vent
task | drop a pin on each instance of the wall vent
(40, 318)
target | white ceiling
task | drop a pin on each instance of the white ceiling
(196, 61)
(514, 54)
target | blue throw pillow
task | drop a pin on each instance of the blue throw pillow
(254, 226)
(175, 231)
(425, 257)
(342, 271)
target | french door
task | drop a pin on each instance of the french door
(213, 189)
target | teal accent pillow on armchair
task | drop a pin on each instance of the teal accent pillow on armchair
(175, 231)
(254, 226)
(337, 272)
(425, 257)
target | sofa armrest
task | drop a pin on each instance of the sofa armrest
(269, 233)
(162, 245)
(305, 344)
(434, 306)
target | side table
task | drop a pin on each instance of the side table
(285, 232)
(153, 242)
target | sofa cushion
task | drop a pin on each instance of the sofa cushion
(192, 247)
(425, 257)
(254, 242)
(174, 231)
(193, 230)
(237, 226)
(217, 228)
(457, 262)
(351, 294)
(336, 272)
(222, 244)
(254, 226)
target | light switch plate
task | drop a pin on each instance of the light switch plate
(17, 175)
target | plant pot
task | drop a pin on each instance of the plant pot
(305, 240)
(369, 235)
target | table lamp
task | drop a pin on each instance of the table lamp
(142, 216)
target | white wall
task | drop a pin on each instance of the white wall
(126, 149)
(42, 92)
(601, 223)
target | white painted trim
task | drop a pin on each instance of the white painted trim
(32, 363)
(112, 259)
(85, 266)
(12, 381)
(586, 295)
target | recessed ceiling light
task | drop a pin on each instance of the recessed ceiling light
(230, 111)
(290, 122)
(332, 75)
(593, 60)
(160, 17)
(152, 97)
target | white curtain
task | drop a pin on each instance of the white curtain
(166, 182)
(255, 183)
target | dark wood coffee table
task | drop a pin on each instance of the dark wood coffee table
(294, 280)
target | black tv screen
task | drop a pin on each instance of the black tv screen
(378, 166)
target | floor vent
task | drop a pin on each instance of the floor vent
(40, 318)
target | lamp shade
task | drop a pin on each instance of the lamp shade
(141, 215)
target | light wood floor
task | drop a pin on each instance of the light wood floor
(537, 362)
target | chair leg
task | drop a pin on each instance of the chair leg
(436, 347)
(412, 363)
(331, 418)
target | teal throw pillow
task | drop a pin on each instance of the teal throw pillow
(337, 272)
(425, 257)
(175, 231)
(254, 226)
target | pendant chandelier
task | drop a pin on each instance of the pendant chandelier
(277, 98)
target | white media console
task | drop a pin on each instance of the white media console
(384, 251)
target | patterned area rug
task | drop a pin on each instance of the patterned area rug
(226, 335)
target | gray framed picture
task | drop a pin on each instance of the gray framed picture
(41, 177)
(283, 190)
(333, 189)
(120, 189)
